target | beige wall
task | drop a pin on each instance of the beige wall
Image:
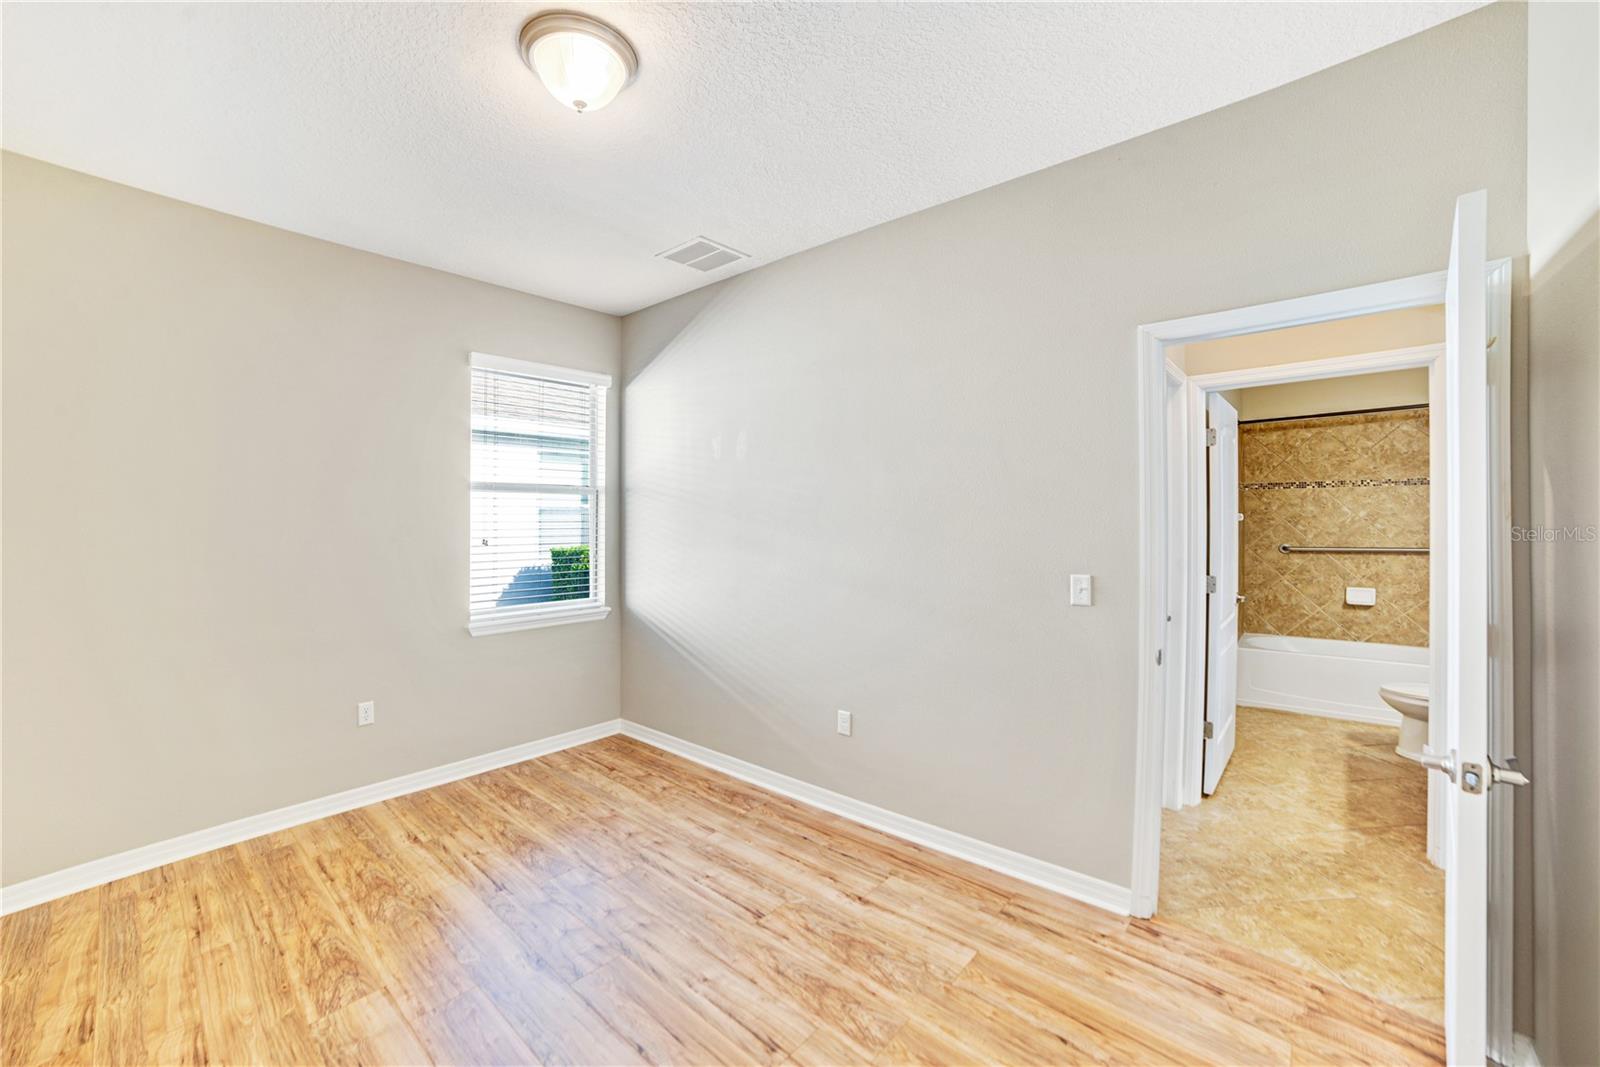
(1335, 480)
(1403, 328)
(859, 477)
(235, 501)
(1564, 425)
(1358, 392)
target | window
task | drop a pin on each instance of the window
(538, 495)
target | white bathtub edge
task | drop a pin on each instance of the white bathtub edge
(1326, 678)
(1331, 711)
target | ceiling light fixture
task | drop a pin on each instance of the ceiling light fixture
(582, 61)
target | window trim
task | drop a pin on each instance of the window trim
(529, 369)
(535, 618)
(589, 609)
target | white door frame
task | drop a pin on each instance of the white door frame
(1177, 500)
(1155, 634)
(1187, 721)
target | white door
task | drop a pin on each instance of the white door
(1465, 676)
(1222, 584)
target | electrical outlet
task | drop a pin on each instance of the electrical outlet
(366, 713)
(844, 722)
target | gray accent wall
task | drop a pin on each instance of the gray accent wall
(1564, 460)
(859, 477)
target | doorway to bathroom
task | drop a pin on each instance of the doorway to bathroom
(1306, 835)
(1291, 817)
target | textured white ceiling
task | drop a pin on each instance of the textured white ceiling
(414, 130)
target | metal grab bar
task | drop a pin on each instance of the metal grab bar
(1355, 550)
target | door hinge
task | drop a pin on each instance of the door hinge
(1211, 436)
(1210, 732)
(1211, 584)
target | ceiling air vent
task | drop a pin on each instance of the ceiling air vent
(702, 253)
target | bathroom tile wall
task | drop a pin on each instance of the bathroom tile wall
(1335, 480)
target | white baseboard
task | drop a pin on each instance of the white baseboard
(1061, 880)
(1523, 1054)
(98, 872)
(1345, 713)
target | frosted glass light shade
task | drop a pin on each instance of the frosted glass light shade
(582, 62)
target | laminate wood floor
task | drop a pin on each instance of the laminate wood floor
(613, 904)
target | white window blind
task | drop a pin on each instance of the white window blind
(538, 495)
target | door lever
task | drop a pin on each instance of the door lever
(1445, 765)
(1470, 776)
(1507, 771)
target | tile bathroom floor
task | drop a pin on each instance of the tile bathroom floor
(1313, 850)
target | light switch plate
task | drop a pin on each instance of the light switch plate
(1082, 590)
(844, 722)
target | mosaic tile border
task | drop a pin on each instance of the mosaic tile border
(1337, 483)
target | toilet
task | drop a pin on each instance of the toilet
(1411, 701)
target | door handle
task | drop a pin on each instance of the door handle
(1507, 772)
(1470, 776)
(1445, 765)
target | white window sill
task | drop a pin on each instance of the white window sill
(532, 620)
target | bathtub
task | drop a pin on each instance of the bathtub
(1335, 679)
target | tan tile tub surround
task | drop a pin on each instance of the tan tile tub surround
(1335, 480)
(1313, 851)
